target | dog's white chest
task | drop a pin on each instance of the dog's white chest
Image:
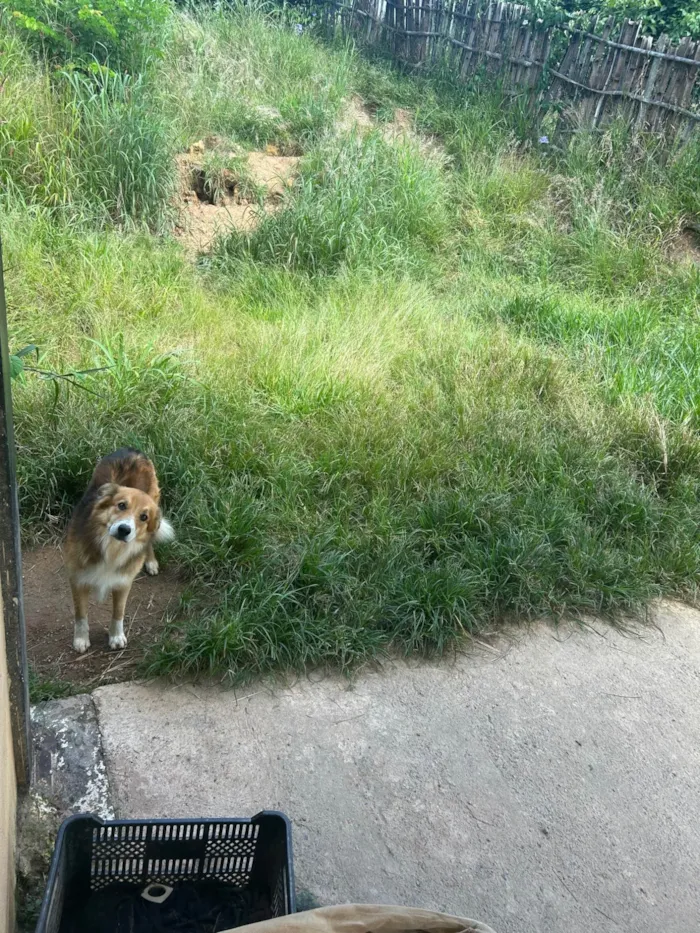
(102, 580)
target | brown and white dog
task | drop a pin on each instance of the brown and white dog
(110, 538)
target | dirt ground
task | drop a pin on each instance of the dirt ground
(202, 220)
(49, 620)
(361, 118)
(686, 247)
(355, 115)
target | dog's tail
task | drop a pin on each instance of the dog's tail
(165, 532)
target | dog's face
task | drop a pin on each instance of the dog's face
(124, 515)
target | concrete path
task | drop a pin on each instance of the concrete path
(553, 786)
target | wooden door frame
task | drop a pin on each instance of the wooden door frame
(11, 565)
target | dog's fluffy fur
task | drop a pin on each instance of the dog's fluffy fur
(110, 538)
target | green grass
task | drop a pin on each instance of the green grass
(50, 688)
(91, 150)
(428, 395)
(237, 72)
(360, 203)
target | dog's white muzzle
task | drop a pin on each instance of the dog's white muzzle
(123, 529)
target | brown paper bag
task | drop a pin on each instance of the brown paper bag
(366, 918)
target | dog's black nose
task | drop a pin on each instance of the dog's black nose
(123, 531)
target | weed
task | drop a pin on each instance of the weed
(225, 173)
(87, 148)
(49, 688)
(121, 149)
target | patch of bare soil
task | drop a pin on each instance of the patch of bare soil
(686, 246)
(220, 190)
(356, 115)
(402, 129)
(359, 117)
(49, 619)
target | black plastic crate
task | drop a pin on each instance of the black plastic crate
(93, 855)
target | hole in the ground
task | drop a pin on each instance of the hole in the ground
(210, 190)
(688, 243)
(204, 192)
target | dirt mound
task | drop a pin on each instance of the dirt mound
(358, 116)
(49, 618)
(223, 189)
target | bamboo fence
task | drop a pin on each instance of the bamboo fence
(606, 70)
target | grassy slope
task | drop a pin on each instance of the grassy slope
(423, 398)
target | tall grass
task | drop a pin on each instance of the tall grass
(591, 210)
(359, 202)
(426, 395)
(122, 149)
(88, 147)
(638, 350)
(239, 71)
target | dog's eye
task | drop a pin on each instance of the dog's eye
(144, 516)
(122, 506)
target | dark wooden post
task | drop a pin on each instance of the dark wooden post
(11, 565)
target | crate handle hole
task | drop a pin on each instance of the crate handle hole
(156, 893)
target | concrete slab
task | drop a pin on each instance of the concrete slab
(68, 767)
(550, 786)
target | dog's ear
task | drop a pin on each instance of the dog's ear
(164, 530)
(105, 493)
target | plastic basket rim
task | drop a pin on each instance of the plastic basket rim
(157, 821)
(172, 820)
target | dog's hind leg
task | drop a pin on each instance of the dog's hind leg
(81, 631)
(117, 638)
(151, 565)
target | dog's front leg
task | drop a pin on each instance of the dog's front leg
(151, 565)
(117, 638)
(81, 631)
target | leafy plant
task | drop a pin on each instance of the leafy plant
(676, 18)
(75, 378)
(117, 31)
(17, 367)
